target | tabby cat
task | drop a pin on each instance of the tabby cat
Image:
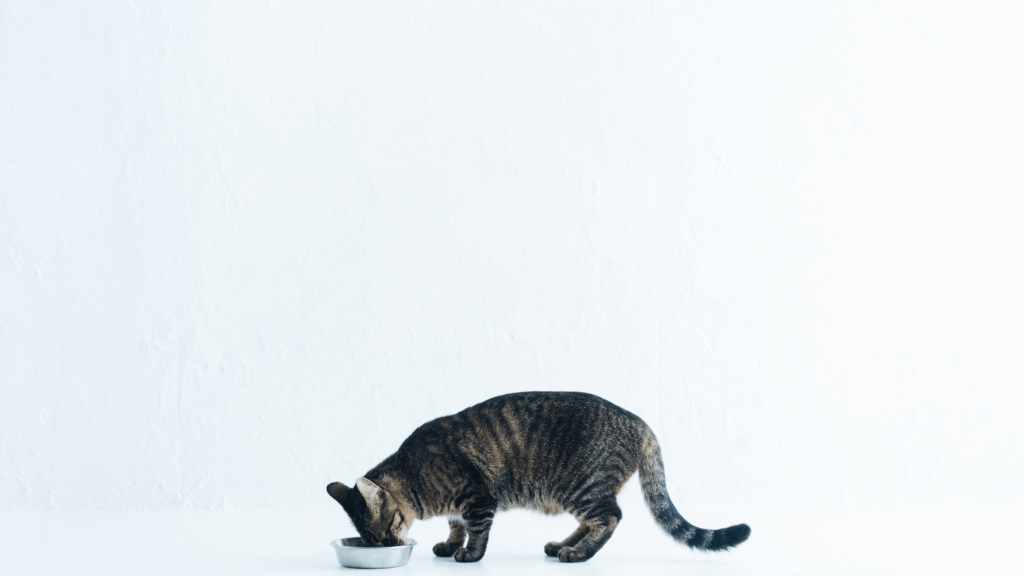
(549, 451)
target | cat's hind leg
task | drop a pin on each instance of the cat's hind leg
(552, 548)
(456, 538)
(601, 519)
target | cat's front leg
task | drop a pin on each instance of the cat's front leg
(456, 538)
(478, 523)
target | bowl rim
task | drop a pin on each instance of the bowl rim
(341, 545)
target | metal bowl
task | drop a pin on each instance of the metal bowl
(354, 553)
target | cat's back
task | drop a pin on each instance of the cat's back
(534, 406)
(530, 419)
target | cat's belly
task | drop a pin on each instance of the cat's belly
(545, 505)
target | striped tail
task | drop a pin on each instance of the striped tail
(652, 481)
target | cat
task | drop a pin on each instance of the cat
(548, 451)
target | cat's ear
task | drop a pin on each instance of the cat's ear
(372, 493)
(338, 491)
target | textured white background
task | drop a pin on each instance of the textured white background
(246, 249)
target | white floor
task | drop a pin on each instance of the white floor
(786, 540)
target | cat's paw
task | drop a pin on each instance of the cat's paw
(552, 548)
(444, 550)
(464, 555)
(568, 554)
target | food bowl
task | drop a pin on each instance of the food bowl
(354, 553)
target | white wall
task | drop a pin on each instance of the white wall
(247, 249)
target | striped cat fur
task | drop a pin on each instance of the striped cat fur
(553, 452)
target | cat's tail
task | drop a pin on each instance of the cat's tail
(652, 481)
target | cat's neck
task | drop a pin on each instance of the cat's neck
(402, 491)
(391, 475)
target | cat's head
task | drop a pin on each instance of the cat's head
(376, 514)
